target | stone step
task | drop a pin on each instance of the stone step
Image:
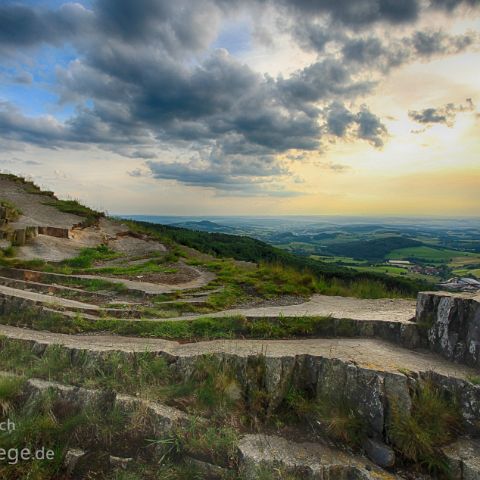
(143, 288)
(24, 298)
(268, 453)
(464, 459)
(46, 287)
(12, 298)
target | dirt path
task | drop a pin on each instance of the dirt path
(368, 353)
(384, 309)
(204, 278)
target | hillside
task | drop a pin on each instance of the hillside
(155, 351)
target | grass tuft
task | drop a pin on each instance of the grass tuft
(434, 422)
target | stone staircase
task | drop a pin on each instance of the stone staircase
(377, 374)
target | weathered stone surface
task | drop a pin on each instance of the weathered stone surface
(467, 395)
(464, 459)
(19, 237)
(119, 463)
(379, 453)
(54, 232)
(72, 459)
(452, 321)
(311, 460)
(208, 470)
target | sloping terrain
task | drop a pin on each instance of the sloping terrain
(143, 354)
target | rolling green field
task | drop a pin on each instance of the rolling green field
(429, 254)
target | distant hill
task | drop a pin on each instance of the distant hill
(375, 249)
(205, 226)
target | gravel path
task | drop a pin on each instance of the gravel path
(368, 353)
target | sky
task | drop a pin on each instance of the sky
(245, 107)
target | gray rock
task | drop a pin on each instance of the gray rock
(119, 463)
(315, 461)
(380, 453)
(72, 460)
(452, 324)
(464, 459)
(208, 470)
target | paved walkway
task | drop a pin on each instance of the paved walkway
(368, 353)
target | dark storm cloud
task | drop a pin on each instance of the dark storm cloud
(359, 12)
(339, 118)
(26, 26)
(432, 43)
(445, 115)
(323, 80)
(366, 126)
(178, 26)
(450, 5)
(383, 55)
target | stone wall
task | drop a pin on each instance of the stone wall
(452, 324)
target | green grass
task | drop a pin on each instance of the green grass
(8, 252)
(427, 254)
(204, 328)
(37, 425)
(13, 211)
(211, 389)
(27, 185)
(10, 389)
(434, 422)
(145, 373)
(152, 266)
(88, 256)
(338, 259)
(76, 208)
(475, 379)
(335, 414)
(214, 444)
(270, 280)
(46, 420)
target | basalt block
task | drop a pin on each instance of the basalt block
(452, 324)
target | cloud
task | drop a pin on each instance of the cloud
(444, 115)
(360, 12)
(24, 26)
(238, 177)
(145, 79)
(24, 78)
(342, 123)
